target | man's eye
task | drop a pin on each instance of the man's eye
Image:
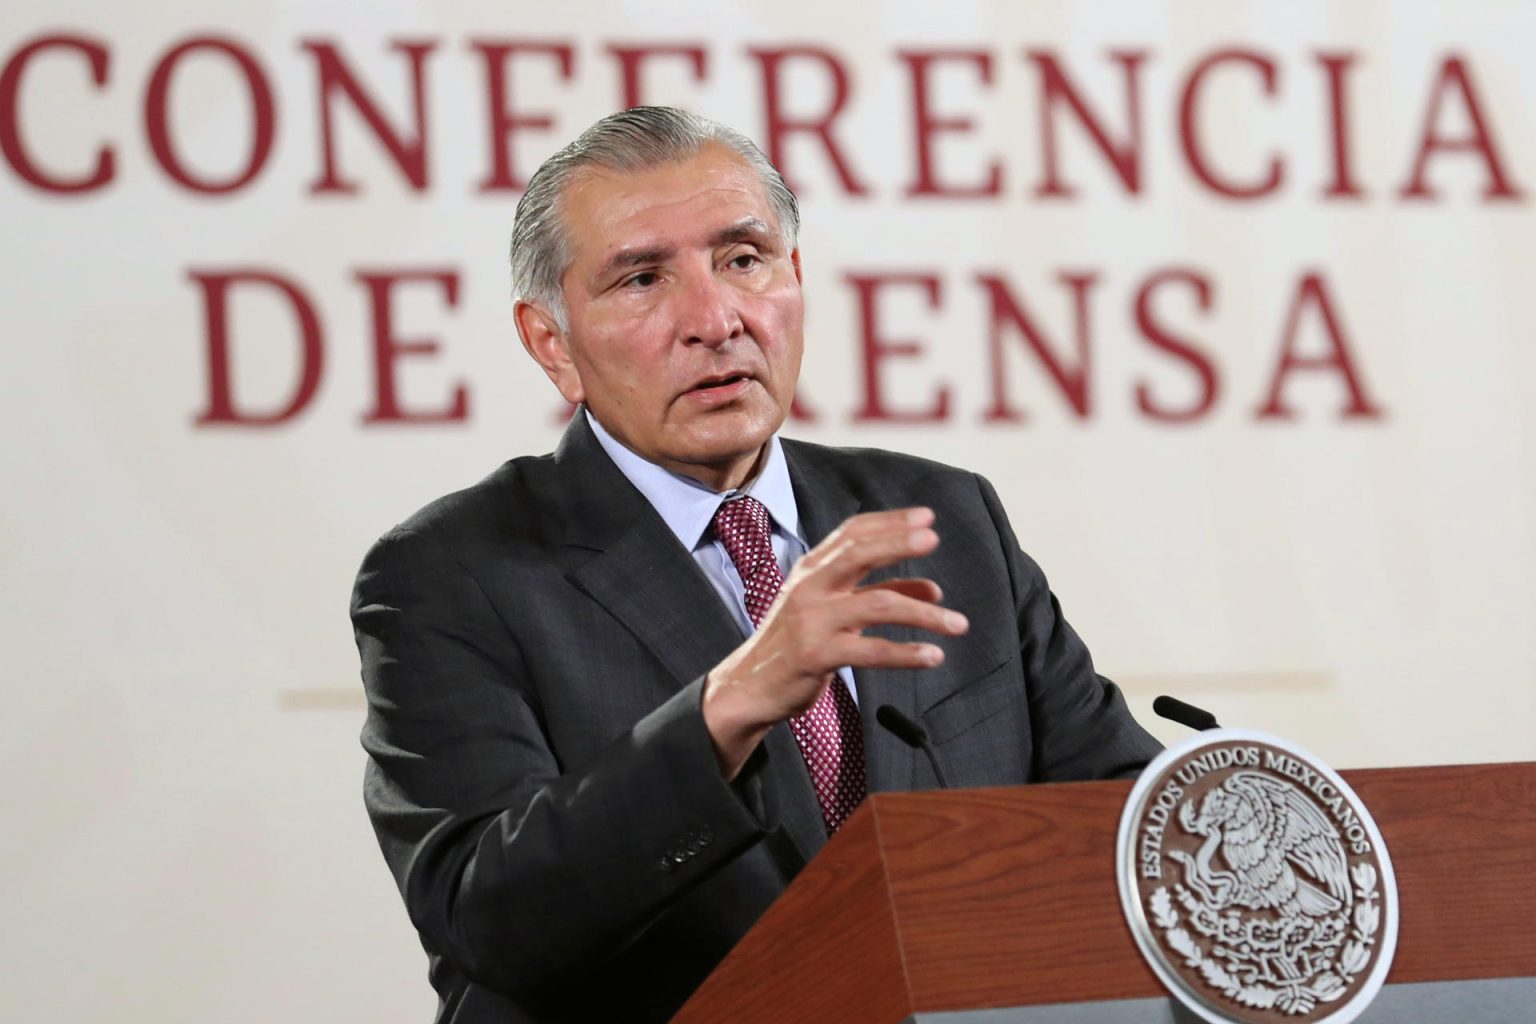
(644, 279)
(745, 261)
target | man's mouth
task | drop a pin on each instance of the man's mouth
(724, 381)
(719, 391)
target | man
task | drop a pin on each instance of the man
(604, 729)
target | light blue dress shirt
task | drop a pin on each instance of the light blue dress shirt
(688, 508)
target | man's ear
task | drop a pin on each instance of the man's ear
(547, 343)
(794, 257)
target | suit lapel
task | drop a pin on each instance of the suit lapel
(644, 577)
(639, 571)
(825, 500)
(663, 599)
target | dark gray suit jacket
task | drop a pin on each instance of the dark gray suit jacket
(540, 778)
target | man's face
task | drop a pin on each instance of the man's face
(684, 311)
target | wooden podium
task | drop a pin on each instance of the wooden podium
(967, 899)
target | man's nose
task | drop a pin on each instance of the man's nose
(708, 314)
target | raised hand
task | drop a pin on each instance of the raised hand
(816, 626)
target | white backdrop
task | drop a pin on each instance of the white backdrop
(186, 838)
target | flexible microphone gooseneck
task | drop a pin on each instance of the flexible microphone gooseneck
(912, 734)
(1176, 710)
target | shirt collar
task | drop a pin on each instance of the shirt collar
(687, 506)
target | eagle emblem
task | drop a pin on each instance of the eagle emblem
(1255, 883)
(1281, 852)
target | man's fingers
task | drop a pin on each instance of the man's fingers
(876, 652)
(881, 606)
(918, 588)
(878, 522)
(867, 525)
(855, 550)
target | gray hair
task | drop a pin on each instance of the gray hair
(629, 141)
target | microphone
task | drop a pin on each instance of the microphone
(1176, 710)
(912, 734)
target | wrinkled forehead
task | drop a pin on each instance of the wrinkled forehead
(684, 201)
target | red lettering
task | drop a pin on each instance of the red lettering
(1343, 185)
(1312, 292)
(157, 117)
(1056, 88)
(1071, 380)
(1455, 77)
(11, 145)
(216, 287)
(387, 348)
(503, 176)
(927, 125)
(1189, 136)
(408, 152)
(877, 349)
(1180, 348)
(631, 57)
(781, 126)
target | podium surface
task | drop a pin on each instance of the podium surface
(944, 901)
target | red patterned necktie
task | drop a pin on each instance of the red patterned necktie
(830, 736)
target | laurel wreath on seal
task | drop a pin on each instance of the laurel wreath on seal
(1300, 998)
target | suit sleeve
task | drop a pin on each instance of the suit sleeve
(1080, 725)
(519, 870)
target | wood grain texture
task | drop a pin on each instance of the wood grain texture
(827, 950)
(1005, 897)
(1463, 846)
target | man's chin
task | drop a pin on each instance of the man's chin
(740, 450)
(750, 416)
(722, 457)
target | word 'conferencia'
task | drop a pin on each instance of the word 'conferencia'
(1045, 130)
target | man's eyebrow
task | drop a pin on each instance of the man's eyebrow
(748, 229)
(626, 258)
